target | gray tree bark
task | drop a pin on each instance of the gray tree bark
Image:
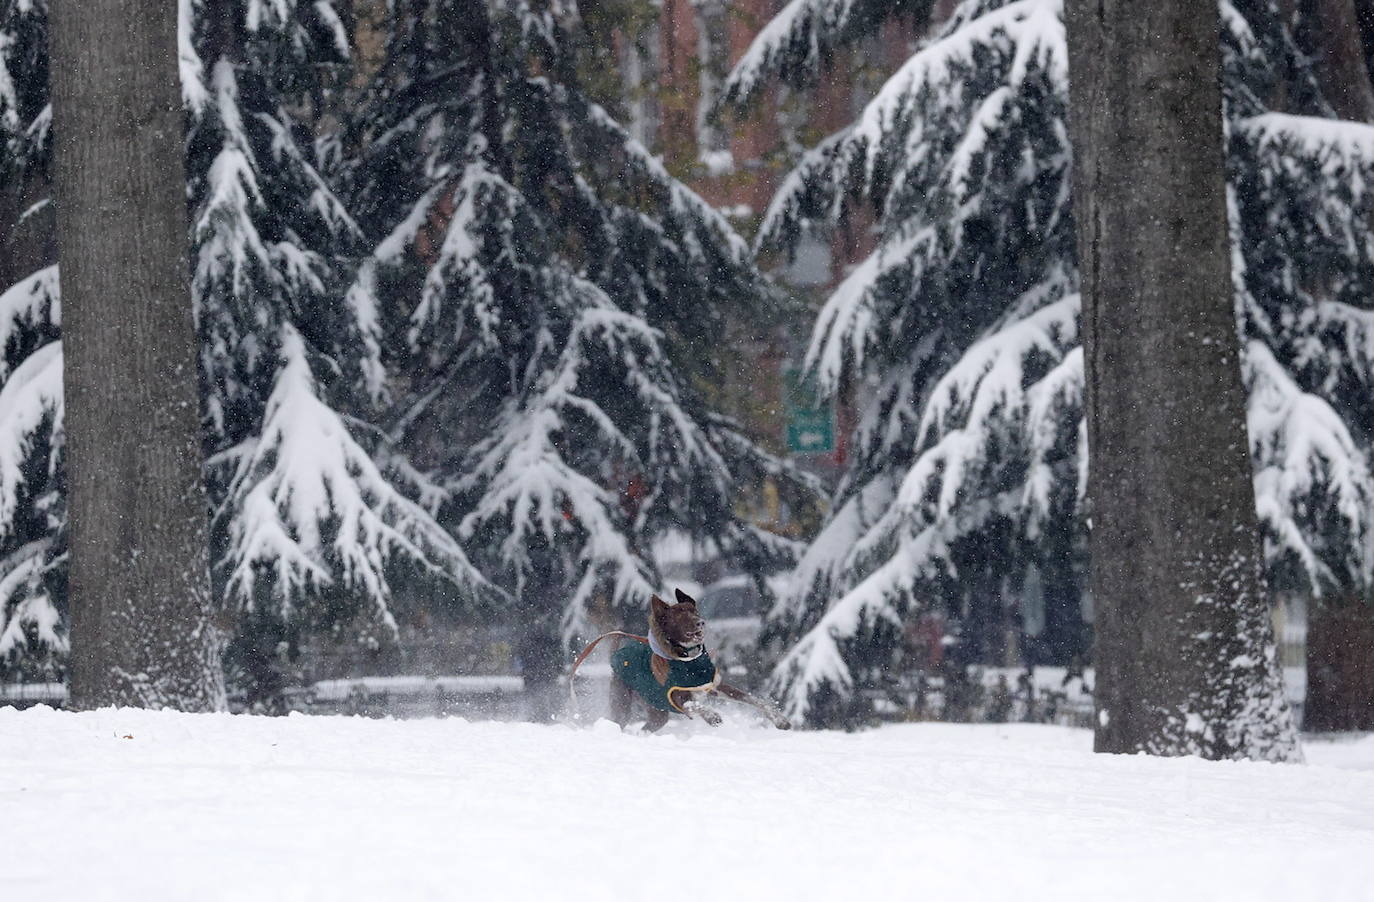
(1340, 666)
(1364, 18)
(1185, 652)
(1332, 29)
(139, 580)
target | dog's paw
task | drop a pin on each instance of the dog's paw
(778, 719)
(709, 715)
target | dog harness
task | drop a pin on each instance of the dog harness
(633, 666)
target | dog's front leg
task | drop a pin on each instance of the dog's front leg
(777, 718)
(695, 708)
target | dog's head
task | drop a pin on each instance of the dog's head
(678, 624)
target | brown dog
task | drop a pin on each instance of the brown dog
(670, 671)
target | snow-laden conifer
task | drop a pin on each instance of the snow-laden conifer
(33, 635)
(961, 328)
(314, 515)
(290, 359)
(25, 112)
(561, 297)
(313, 512)
(795, 46)
(33, 632)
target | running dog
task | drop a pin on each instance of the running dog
(670, 670)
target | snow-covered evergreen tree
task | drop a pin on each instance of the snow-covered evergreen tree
(961, 326)
(316, 515)
(289, 357)
(24, 110)
(33, 632)
(26, 221)
(556, 297)
(32, 510)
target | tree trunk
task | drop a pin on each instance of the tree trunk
(1184, 652)
(1364, 18)
(1340, 666)
(1063, 639)
(1330, 31)
(139, 583)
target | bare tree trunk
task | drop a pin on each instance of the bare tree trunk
(1185, 651)
(1364, 18)
(139, 583)
(1330, 31)
(1340, 668)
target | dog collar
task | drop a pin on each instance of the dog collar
(657, 648)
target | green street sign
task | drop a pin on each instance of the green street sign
(810, 420)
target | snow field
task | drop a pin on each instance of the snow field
(124, 804)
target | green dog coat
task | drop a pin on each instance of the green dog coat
(632, 665)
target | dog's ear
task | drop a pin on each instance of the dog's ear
(684, 598)
(658, 605)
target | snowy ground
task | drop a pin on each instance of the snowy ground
(149, 806)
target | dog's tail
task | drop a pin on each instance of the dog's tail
(572, 691)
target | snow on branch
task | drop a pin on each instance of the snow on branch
(25, 114)
(1340, 146)
(230, 246)
(1020, 391)
(851, 319)
(997, 396)
(269, 12)
(546, 267)
(985, 401)
(272, 243)
(29, 305)
(33, 632)
(1351, 331)
(1309, 471)
(819, 662)
(807, 192)
(334, 26)
(990, 379)
(480, 200)
(1010, 38)
(30, 402)
(821, 569)
(9, 100)
(32, 515)
(803, 37)
(29, 619)
(961, 131)
(967, 80)
(307, 508)
(960, 327)
(287, 155)
(529, 488)
(1054, 416)
(678, 199)
(194, 93)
